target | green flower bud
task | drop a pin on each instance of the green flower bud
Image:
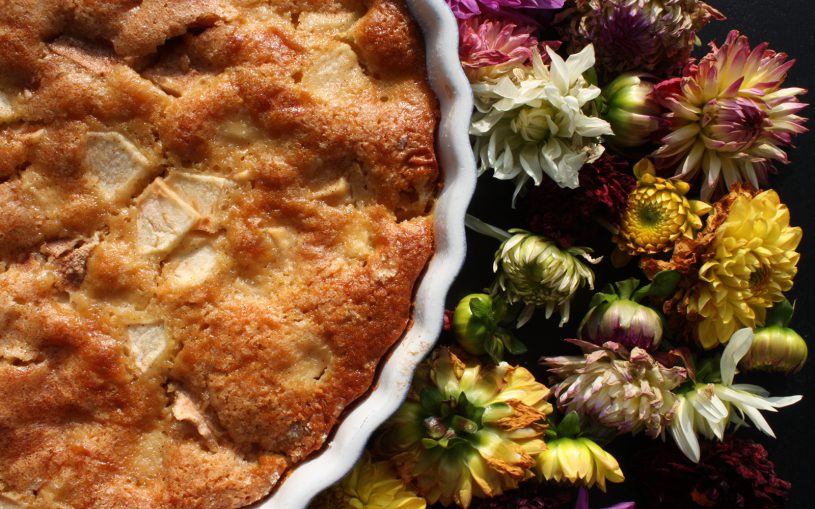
(630, 109)
(776, 348)
(478, 324)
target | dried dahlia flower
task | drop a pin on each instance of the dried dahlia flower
(731, 474)
(533, 270)
(739, 266)
(573, 216)
(729, 116)
(638, 35)
(467, 430)
(370, 485)
(489, 48)
(539, 120)
(625, 391)
(658, 214)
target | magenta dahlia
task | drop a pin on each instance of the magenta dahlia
(490, 47)
(729, 116)
(465, 9)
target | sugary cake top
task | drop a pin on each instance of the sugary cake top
(212, 217)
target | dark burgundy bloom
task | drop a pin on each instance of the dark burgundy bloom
(573, 216)
(734, 474)
(530, 495)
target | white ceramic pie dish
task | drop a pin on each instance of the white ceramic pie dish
(458, 168)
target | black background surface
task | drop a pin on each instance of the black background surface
(788, 26)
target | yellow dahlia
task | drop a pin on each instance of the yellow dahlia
(370, 485)
(658, 214)
(748, 266)
(578, 461)
(467, 430)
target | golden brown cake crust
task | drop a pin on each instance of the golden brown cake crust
(212, 217)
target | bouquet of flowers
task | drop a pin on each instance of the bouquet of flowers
(610, 128)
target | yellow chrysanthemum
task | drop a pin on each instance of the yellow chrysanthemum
(750, 263)
(370, 485)
(578, 461)
(658, 214)
(467, 430)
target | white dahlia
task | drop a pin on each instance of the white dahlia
(539, 120)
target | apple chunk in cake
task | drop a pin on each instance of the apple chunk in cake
(212, 217)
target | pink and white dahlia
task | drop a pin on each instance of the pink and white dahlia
(729, 116)
(490, 47)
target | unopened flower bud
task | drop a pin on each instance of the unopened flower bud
(622, 321)
(631, 110)
(776, 348)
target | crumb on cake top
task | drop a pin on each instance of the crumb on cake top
(212, 217)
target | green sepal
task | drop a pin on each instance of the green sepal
(780, 314)
(569, 426)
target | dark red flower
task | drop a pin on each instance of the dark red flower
(734, 474)
(530, 495)
(574, 216)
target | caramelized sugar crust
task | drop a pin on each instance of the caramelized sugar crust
(212, 217)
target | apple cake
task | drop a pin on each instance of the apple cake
(213, 214)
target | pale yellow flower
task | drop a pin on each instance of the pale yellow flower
(370, 485)
(578, 461)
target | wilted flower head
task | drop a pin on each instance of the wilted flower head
(739, 266)
(729, 116)
(625, 391)
(533, 270)
(731, 474)
(467, 430)
(707, 408)
(370, 485)
(578, 461)
(466, 9)
(638, 35)
(539, 120)
(490, 48)
(658, 214)
(631, 109)
(572, 216)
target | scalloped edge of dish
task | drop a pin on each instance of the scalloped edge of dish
(458, 168)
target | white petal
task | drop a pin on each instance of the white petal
(682, 431)
(736, 348)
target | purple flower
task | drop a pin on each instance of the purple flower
(466, 9)
(583, 501)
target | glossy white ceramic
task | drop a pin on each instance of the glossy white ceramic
(458, 167)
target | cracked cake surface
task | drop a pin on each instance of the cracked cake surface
(212, 217)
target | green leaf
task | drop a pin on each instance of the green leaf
(664, 285)
(569, 427)
(780, 314)
(513, 344)
(495, 349)
(481, 309)
(430, 399)
(429, 443)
